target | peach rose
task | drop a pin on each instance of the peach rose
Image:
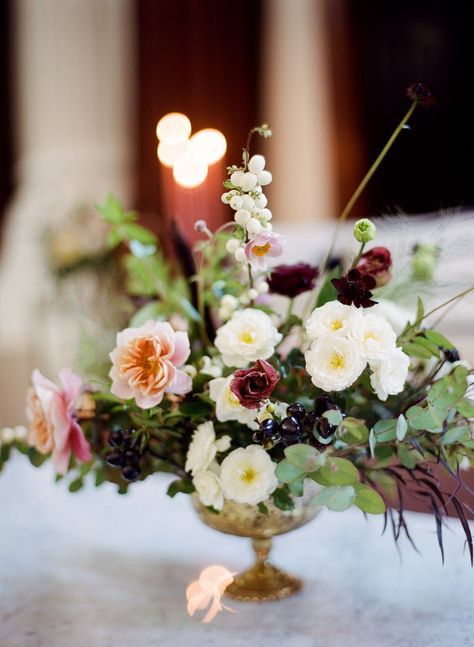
(146, 361)
(53, 425)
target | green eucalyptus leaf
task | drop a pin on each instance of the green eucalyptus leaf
(340, 471)
(296, 487)
(286, 472)
(336, 498)
(456, 435)
(368, 500)
(406, 457)
(401, 427)
(386, 430)
(304, 457)
(466, 408)
(353, 431)
(426, 419)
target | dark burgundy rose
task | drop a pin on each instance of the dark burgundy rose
(291, 280)
(255, 384)
(355, 288)
(420, 93)
(376, 263)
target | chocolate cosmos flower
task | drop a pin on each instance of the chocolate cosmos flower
(419, 92)
(253, 385)
(355, 288)
(376, 263)
(291, 280)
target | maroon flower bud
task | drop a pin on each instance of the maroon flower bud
(255, 384)
(376, 263)
(291, 280)
(420, 93)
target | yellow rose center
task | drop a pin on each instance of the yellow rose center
(248, 475)
(261, 250)
(336, 325)
(246, 336)
(232, 399)
(370, 335)
(337, 361)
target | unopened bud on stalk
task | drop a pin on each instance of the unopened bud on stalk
(364, 230)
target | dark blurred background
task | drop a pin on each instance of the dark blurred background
(205, 59)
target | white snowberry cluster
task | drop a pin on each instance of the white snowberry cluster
(249, 202)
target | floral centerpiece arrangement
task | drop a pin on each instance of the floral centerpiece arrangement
(246, 404)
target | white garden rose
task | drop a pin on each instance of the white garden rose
(333, 318)
(249, 335)
(228, 406)
(373, 335)
(334, 363)
(203, 448)
(390, 373)
(208, 488)
(248, 475)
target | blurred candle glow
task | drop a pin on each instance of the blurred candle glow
(190, 171)
(208, 144)
(173, 128)
(170, 152)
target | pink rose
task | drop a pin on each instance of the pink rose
(53, 424)
(146, 361)
(264, 245)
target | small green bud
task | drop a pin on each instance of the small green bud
(424, 261)
(364, 230)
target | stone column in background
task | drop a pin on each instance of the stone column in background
(296, 104)
(74, 97)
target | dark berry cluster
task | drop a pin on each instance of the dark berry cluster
(451, 354)
(123, 454)
(299, 425)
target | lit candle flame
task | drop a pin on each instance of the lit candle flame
(207, 592)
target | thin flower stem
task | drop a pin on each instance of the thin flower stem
(355, 196)
(357, 257)
(442, 305)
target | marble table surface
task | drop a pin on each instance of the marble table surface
(99, 570)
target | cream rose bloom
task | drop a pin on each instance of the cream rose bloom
(208, 488)
(373, 335)
(248, 475)
(228, 406)
(204, 447)
(334, 363)
(249, 335)
(333, 318)
(390, 374)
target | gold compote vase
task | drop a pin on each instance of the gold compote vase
(263, 581)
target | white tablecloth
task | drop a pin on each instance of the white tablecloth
(99, 570)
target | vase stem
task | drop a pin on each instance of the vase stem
(262, 549)
(263, 581)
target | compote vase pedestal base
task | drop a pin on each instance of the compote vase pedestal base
(263, 581)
